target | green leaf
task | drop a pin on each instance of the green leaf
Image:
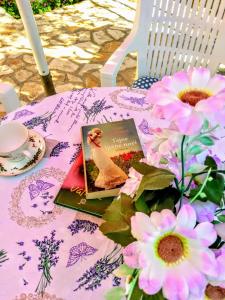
(158, 296)
(123, 270)
(206, 140)
(141, 205)
(210, 163)
(194, 150)
(117, 220)
(116, 293)
(157, 179)
(205, 124)
(146, 169)
(221, 218)
(214, 189)
(165, 199)
(196, 168)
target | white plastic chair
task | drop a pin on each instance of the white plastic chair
(8, 97)
(171, 35)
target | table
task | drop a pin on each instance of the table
(46, 249)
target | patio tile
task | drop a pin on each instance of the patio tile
(77, 40)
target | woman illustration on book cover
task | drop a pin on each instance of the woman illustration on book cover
(110, 175)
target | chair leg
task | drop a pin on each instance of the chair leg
(8, 97)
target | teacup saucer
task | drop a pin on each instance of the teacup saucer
(37, 149)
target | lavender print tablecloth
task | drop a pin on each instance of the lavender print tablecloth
(46, 251)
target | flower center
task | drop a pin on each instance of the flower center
(171, 248)
(192, 97)
(215, 292)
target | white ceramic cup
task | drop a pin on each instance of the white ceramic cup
(14, 141)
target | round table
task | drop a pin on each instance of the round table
(47, 251)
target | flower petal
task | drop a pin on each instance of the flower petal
(151, 279)
(189, 125)
(206, 233)
(196, 280)
(220, 229)
(141, 226)
(204, 210)
(175, 287)
(211, 105)
(204, 260)
(165, 220)
(176, 83)
(131, 255)
(221, 266)
(199, 77)
(216, 84)
(186, 217)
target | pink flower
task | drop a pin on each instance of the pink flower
(220, 229)
(132, 183)
(204, 210)
(187, 98)
(172, 253)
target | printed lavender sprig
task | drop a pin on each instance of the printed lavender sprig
(82, 225)
(135, 100)
(59, 148)
(116, 281)
(101, 270)
(3, 257)
(48, 248)
(97, 107)
(76, 153)
(43, 120)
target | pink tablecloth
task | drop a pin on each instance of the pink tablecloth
(47, 248)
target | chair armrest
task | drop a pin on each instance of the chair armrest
(8, 97)
(111, 68)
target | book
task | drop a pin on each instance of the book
(109, 149)
(76, 199)
(72, 194)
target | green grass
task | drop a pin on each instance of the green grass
(38, 6)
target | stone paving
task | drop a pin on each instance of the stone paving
(77, 40)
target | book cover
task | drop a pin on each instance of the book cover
(109, 149)
(76, 199)
(72, 194)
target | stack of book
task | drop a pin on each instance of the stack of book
(102, 166)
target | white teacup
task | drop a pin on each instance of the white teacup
(14, 141)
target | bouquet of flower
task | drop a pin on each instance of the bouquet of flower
(170, 214)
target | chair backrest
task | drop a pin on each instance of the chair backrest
(171, 35)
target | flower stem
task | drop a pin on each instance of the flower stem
(133, 284)
(177, 184)
(202, 187)
(182, 189)
(201, 173)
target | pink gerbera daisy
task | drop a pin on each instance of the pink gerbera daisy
(172, 253)
(187, 98)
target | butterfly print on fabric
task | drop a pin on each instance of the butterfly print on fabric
(40, 186)
(79, 252)
(144, 127)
